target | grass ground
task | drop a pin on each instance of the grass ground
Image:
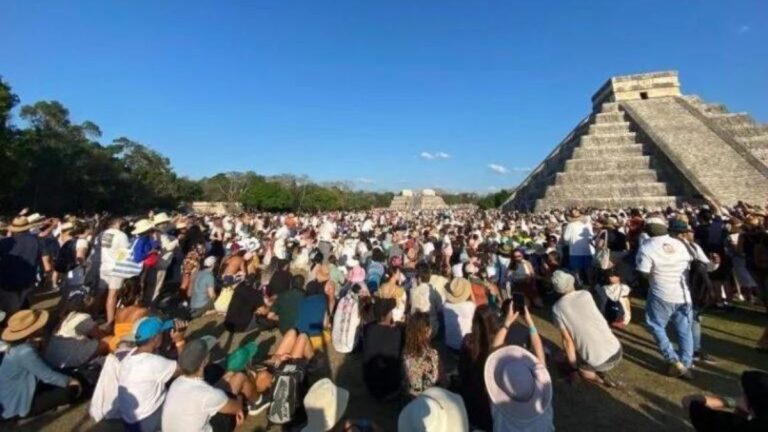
(649, 401)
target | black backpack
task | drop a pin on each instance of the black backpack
(613, 311)
(66, 259)
(287, 389)
(699, 282)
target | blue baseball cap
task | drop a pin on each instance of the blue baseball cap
(150, 327)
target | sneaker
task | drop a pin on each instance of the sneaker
(738, 298)
(262, 403)
(702, 357)
(676, 369)
(608, 380)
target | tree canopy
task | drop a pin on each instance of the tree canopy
(56, 166)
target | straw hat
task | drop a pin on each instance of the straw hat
(325, 404)
(35, 218)
(434, 410)
(21, 224)
(24, 323)
(161, 218)
(143, 226)
(573, 215)
(458, 290)
(66, 226)
(518, 385)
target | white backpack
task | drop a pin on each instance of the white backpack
(346, 322)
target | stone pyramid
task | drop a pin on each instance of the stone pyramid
(646, 145)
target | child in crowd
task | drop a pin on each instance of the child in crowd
(615, 291)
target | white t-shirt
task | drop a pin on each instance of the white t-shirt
(457, 319)
(667, 260)
(578, 237)
(190, 404)
(594, 340)
(70, 345)
(142, 378)
(112, 241)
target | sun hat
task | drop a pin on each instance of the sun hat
(35, 218)
(325, 404)
(182, 224)
(239, 359)
(142, 226)
(434, 410)
(458, 290)
(322, 274)
(562, 282)
(150, 327)
(356, 275)
(195, 353)
(21, 224)
(24, 323)
(161, 218)
(209, 262)
(518, 385)
(382, 307)
(66, 226)
(678, 226)
(573, 215)
(351, 262)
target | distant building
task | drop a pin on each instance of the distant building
(427, 199)
(215, 207)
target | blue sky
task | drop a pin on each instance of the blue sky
(358, 90)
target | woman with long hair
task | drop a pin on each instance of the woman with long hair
(475, 349)
(421, 361)
(130, 309)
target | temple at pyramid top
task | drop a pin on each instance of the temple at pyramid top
(647, 145)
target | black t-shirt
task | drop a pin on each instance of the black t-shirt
(472, 385)
(20, 256)
(382, 359)
(617, 241)
(245, 301)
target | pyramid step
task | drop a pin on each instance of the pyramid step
(609, 107)
(714, 108)
(761, 154)
(600, 177)
(602, 164)
(727, 120)
(609, 117)
(607, 190)
(754, 142)
(609, 151)
(609, 128)
(601, 140)
(748, 131)
(659, 202)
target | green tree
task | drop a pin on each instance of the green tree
(269, 196)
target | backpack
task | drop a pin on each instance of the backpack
(613, 311)
(346, 322)
(285, 394)
(66, 259)
(699, 283)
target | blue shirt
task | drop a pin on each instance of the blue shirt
(142, 247)
(311, 315)
(199, 296)
(20, 370)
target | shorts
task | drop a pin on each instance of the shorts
(609, 364)
(110, 282)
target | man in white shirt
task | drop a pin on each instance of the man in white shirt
(578, 237)
(191, 403)
(424, 298)
(114, 243)
(665, 262)
(143, 375)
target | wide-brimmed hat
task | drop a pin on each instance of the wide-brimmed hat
(21, 224)
(142, 226)
(24, 323)
(573, 214)
(434, 410)
(161, 218)
(518, 385)
(563, 282)
(325, 404)
(458, 291)
(678, 226)
(35, 218)
(66, 226)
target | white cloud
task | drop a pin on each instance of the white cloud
(498, 168)
(744, 29)
(436, 155)
(442, 155)
(426, 155)
(365, 180)
(522, 170)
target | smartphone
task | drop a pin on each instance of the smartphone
(518, 302)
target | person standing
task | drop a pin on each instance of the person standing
(114, 242)
(20, 256)
(578, 237)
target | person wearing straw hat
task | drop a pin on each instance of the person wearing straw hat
(458, 312)
(167, 247)
(21, 255)
(28, 386)
(434, 410)
(144, 243)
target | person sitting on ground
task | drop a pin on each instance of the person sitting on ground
(194, 405)
(28, 386)
(232, 267)
(77, 339)
(616, 291)
(718, 413)
(131, 309)
(590, 346)
(421, 361)
(203, 292)
(458, 312)
(247, 301)
(285, 309)
(143, 376)
(294, 348)
(382, 352)
(435, 410)
(314, 309)
(425, 298)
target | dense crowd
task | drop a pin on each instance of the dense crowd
(400, 291)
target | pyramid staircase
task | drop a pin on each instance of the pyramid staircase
(600, 164)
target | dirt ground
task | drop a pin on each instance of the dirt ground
(649, 401)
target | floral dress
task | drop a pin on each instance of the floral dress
(422, 372)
